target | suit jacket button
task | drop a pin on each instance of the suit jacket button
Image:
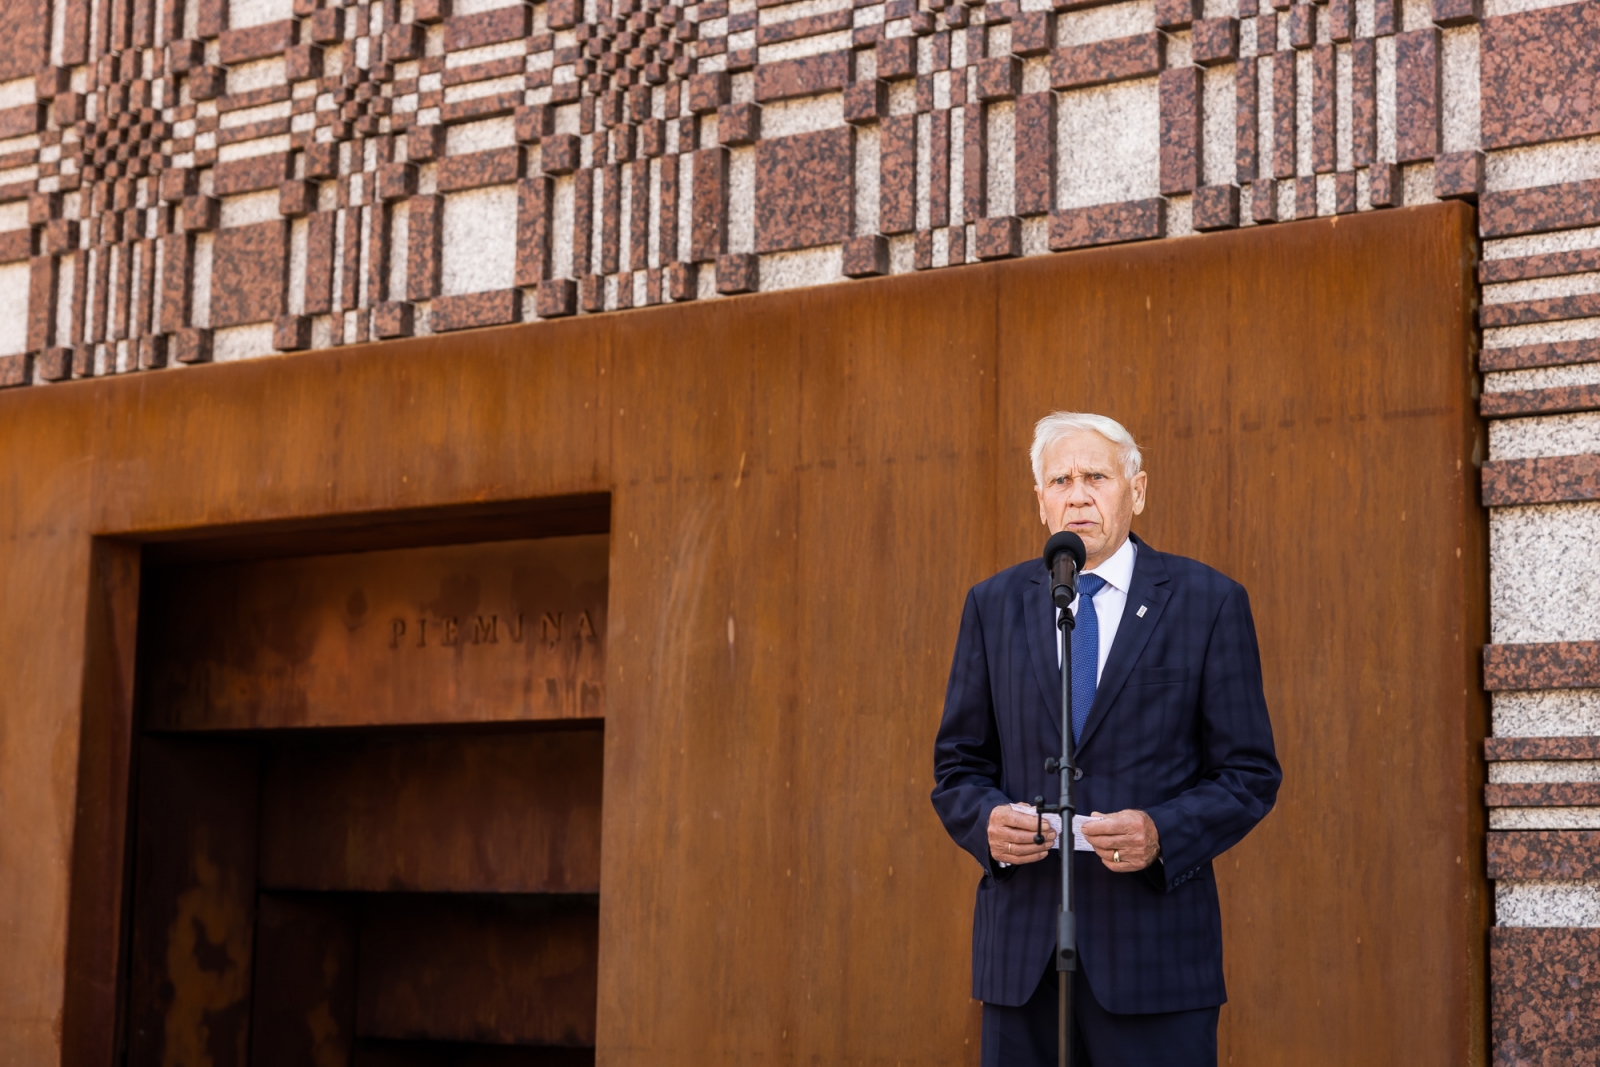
(1077, 772)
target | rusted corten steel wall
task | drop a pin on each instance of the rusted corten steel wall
(802, 486)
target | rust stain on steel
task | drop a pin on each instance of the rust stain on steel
(193, 908)
(501, 970)
(303, 1006)
(208, 965)
(504, 811)
(504, 631)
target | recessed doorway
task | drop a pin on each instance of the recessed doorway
(366, 810)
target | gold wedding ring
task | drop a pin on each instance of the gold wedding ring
(1116, 856)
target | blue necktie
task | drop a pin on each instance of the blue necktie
(1085, 652)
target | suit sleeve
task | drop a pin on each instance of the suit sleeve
(1239, 773)
(966, 753)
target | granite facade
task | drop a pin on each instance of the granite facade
(1562, 206)
(1556, 665)
(1545, 354)
(1541, 76)
(803, 190)
(250, 272)
(1552, 401)
(1500, 749)
(1545, 995)
(1541, 480)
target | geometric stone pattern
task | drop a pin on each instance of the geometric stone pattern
(227, 178)
(1546, 996)
(1539, 116)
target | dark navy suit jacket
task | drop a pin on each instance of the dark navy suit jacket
(1178, 729)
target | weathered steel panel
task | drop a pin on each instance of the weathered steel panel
(492, 632)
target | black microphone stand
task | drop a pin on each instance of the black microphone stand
(1067, 930)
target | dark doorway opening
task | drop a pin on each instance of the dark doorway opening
(365, 819)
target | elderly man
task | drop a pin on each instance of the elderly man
(1175, 764)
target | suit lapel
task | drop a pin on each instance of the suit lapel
(1040, 619)
(1149, 590)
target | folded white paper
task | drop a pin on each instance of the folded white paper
(1079, 842)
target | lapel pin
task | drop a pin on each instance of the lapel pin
(1142, 609)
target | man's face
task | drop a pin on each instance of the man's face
(1086, 492)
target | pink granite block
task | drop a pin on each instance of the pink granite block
(804, 190)
(1305, 198)
(1541, 75)
(291, 333)
(1385, 17)
(638, 215)
(192, 345)
(1215, 41)
(1458, 176)
(866, 102)
(1103, 224)
(392, 319)
(1104, 62)
(16, 370)
(1363, 102)
(471, 310)
(1417, 94)
(1285, 126)
(533, 231)
(1174, 15)
(424, 242)
(1457, 12)
(667, 218)
(897, 174)
(557, 298)
(709, 237)
(1033, 33)
(1264, 201)
(1035, 139)
(1216, 207)
(1180, 130)
(791, 78)
(866, 257)
(1344, 192)
(999, 237)
(1386, 184)
(250, 273)
(683, 281)
(1247, 110)
(583, 223)
(610, 179)
(1540, 209)
(1340, 16)
(1324, 112)
(999, 78)
(737, 272)
(939, 167)
(975, 161)
(487, 27)
(738, 124)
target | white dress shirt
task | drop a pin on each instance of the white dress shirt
(1109, 602)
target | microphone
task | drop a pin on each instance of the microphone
(1064, 555)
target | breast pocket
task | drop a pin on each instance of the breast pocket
(1157, 676)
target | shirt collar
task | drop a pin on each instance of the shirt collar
(1118, 570)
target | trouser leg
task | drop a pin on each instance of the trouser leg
(1160, 1039)
(1023, 1036)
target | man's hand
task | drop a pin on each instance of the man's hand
(1011, 836)
(1125, 841)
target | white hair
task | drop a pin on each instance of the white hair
(1059, 424)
